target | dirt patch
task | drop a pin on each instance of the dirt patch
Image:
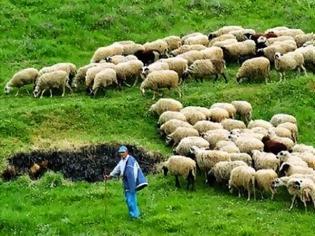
(87, 163)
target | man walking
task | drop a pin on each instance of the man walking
(133, 179)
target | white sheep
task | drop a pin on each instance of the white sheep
(21, 78)
(286, 169)
(165, 104)
(254, 68)
(161, 79)
(131, 48)
(179, 134)
(184, 146)
(259, 123)
(280, 118)
(300, 39)
(91, 73)
(158, 65)
(276, 28)
(197, 39)
(204, 125)
(241, 157)
(265, 160)
(247, 144)
(191, 56)
(230, 124)
(285, 156)
(280, 39)
(213, 53)
(243, 109)
(292, 127)
(120, 59)
(218, 114)
(308, 157)
(264, 179)
(221, 38)
(227, 106)
(181, 166)
(243, 177)
(104, 79)
(159, 45)
(216, 135)
(289, 32)
(129, 69)
(176, 64)
(224, 30)
(173, 42)
(50, 80)
(233, 51)
(193, 115)
(303, 148)
(190, 35)
(281, 132)
(103, 52)
(168, 115)
(289, 61)
(186, 48)
(224, 42)
(81, 74)
(203, 110)
(171, 125)
(308, 54)
(227, 146)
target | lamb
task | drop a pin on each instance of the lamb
(154, 67)
(180, 133)
(185, 48)
(21, 78)
(264, 180)
(104, 79)
(171, 125)
(230, 124)
(243, 177)
(193, 115)
(247, 144)
(224, 30)
(221, 171)
(206, 67)
(103, 52)
(285, 156)
(241, 157)
(159, 45)
(191, 56)
(120, 59)
(244, 110)
(197, 39)
(289, 61)
(168, 115)
(213, 53)
(258, 67)
(300, 39)
(265, 160)
(273, 146)
(227, 106)
(181, 166)
(165, 104)
(161, 79)
(184, 146)
(81, 74)
(55, 79)
(91, 73)
(173, 42)
(216, 135)
(287, 169)
(129, 69)
(37, 169)
(233, 51)
(204, 125)
(176, 64)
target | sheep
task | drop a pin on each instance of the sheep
(129, 69)
(147, 56)
(104, 79)
(37, 169)
(92, 72)
(184, 146)
(273, 146)
(306, 188)
(221, 38)
(258, 67)
(171, 125)
(308, 54)
(308, 157)
(203, 110)
(21, 78)
(260, 130)
(216, 135)
(230, 124)
(242, 34)
(120, 59)
(224, 43)
(154, 67)
(281, 132)
(282, 47)
(224, 30)
(243, 177)
(259, 123)
(197, 39)
(132, 48)
(303, 148)
(286, 141)
(274, 29)
(9, 173)
(185, 48)
(173, 42)
(50, 80)
(193, 115)
(279, 39)
(161, 79)
(243, 109)
(300, 39)
(233, 51)
(227, 106)
(227, 146)
(247, 144)
(176, 64)
(258, 36)
(265, 160)
(285, 156)
(287, 169)
(206, 67)
(241, 157)
(218, 114)
(263, 181)
(181, 166)
(292, 127)
(206, 159)
(204, 125)
(159, 45)
(81, 74)
(168, 115)
(221, 171)
(68, 67)
(289, 32)
(180, 133)
(247, 133)
(165, 104)
(183, 38)
(103, 52)
(213, 53)
(191, 56)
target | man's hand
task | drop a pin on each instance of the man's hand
(107, 177)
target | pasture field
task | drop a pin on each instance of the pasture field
(36, 33)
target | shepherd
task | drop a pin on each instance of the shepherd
(133, 179)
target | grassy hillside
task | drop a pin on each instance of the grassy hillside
(38, 33)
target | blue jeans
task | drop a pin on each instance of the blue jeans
(131, 200)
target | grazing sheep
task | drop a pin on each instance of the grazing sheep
(243, 177)
(181, 166)
(103, 52)
(287, 169)
(264, 180)
(158, 45)
(254, 68)
(289, 32)
(191, 56)
(308, 157)
(173, 42)
(258, 36)
(286, 141)
(170, 126)
(184, 146)
(21, 78)
(227, 146)
(81, 74)
(92, 72)
(221, 38)
(230, 124)
(265, 160)
(120, 59)
(216, 135)
(303, 148)
(154, 67)
(206, 67)
(168, 115)
(190, 35)
(243, 109)
(289, 61)
(180, 133)
(165, 104)
(227, 106)
(224, 30)
(273, 146)
(213, 53)
(104, 79)
(300, 39)
(285, 156)
(280, 39)
(221, 171)
(204, 125)
(247, 144)
(232, 52)
(241, 157)
(147, 56)
(131, 48)
(197, 39)
(306, 188)
(274, 29)
(281, 132)
(193, 115)
(292, 127)
(129, 69)
(50, 80)
(259, 123)
(309, 55)
(185, 48)
(218, 114)
(242, 34)
(68, 67)
(176, 64)
(224, 43)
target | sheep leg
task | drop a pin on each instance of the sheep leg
(177, 184)
(63, 90)
(272, 193)
(153, 98)
(41, 96)
(50, 93)
(68, 86)
(304, 70)
(95, 91)
(224, 76)
(292, 202)
(136, 81)
(28, 93)
(179, 92)
(239, 193)
(17, 93)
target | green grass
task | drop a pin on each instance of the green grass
(39, 33)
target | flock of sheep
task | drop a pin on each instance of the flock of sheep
(164, 63)
(242, 153)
